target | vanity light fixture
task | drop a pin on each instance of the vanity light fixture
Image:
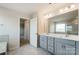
(72, 6)
(48, 15)
(61, 10)
(66, 8)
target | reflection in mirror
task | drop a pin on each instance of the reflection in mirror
(66, 23)
(60, 27)
(72, 26)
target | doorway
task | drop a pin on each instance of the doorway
(24, 32)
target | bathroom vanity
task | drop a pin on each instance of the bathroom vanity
(63, 34)
(58, 45)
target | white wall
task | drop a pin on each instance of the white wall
(10, 25)
(51, 27)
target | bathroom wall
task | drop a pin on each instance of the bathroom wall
(10, 25)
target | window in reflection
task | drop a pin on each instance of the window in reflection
(60, 27)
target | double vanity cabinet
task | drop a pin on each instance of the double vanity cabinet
(64, 47)
(62, 37)
(59, 46)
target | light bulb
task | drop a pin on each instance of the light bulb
(66, 8)
(61, 10)
(72, 6)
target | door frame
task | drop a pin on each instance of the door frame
(29, 28)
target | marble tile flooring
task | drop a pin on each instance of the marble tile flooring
(28, 50)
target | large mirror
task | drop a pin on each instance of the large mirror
(66, 23)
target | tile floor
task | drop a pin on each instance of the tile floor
(28, 50)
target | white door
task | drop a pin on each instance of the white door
(33, 31)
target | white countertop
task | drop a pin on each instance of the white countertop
(69, 37)
(3, 47)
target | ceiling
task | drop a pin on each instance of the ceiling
(27, 8)
(31, 8)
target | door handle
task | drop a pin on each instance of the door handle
(63, 46)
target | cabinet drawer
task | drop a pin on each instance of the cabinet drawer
(59, 40)
(43, 37)
(50, 45)
(50, 49)
(42, 43)
(50, 40)
(70, 42)
(43, 46)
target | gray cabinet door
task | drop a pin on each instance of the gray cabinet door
(70, 50)
(77, 48)
(51, 44)
(64, 47)
(70, 47)
(43, 42)
(60, 47)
